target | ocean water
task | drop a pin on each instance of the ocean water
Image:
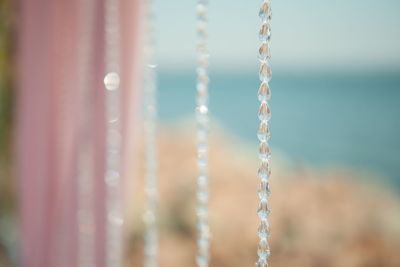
(350, 120)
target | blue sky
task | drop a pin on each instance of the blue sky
(307, 34)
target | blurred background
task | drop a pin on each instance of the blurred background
(336, 77)
(335, 133)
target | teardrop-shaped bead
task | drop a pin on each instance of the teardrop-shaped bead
(263, 250)
(202, 181)
(202, 212)
(203, 79)
(203, 244)
(265, 32)
(264, 52)
(202, 197)
(202, 60)
(202, 48)
(263, 230)
(202, 135)
(264, 190)
(202, 28)
(202, 117)
(264, 152)
(264, 113)
(203, 229)
(264, 171)
(262, 194)
(264, 92)
(263, 210)
(265, 11)
(201, 10)
(265, 72)
(202, 160)
(263, 133)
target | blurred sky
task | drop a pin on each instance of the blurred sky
(306, 35)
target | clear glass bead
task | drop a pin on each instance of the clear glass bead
(202, 118)
(203, 79)
(202, 95)
(265, 32)
(202, 181)
(203, 230)
(264, 152)
(202, 135)
(202, 60)
(263, 210)
(201, 89)
(202, 147)
(202, 28)
(111, 81)
(202, 196)
(263, 133)
(202, 212)
(264, 190)
(265, 11)
(203, 245)
(202, 49)
(262, 194)
(202, 160)
(264, 52)
(263, 230)
(201, 71)
(264, 113)
(264, 92)
(265, 72)
(263, 250)
(264, 171)
(201, 10)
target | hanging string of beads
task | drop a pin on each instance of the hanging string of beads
(264, 115)
(203, 232)
(114, 219)
(150, 130)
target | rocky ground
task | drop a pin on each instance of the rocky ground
(321, 218)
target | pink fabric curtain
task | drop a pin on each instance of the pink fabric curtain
(47, 131)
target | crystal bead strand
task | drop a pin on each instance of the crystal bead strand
(264, 114)
(114, 219)
(203, 232)
(85, 171)
(150, 130)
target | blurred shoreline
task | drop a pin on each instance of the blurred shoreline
(320, 119)
(283, 159)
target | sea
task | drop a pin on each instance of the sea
(320, 119)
